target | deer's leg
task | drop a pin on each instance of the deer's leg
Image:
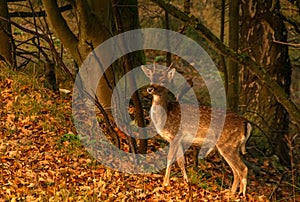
(195, 156)
(243, 178)
(236, 179)
(239, 170)
(171, 155)
(230, 158)
(181, 162)
(176, 150)
(167, 174)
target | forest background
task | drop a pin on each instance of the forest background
(255, 45)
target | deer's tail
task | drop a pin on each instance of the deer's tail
(248, 129)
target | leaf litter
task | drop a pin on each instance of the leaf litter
(41, 161)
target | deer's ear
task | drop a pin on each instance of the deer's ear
(171, 73)
(147, 71)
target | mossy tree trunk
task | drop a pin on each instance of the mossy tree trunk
(260, 29)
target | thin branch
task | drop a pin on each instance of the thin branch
(48, 40)
(36, 14)
(24, 28)
(286, 43)
(10, 1)
(20, 42)
(106, 117)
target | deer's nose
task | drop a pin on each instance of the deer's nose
(150, 89)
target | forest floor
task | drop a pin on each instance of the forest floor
(42, 159)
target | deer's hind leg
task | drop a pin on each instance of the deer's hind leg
(239, 169)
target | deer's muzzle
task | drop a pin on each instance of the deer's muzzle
(150, 90)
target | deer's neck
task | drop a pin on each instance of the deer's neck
(160, 100)
(159, 112)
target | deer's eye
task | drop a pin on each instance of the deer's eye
(163, 82)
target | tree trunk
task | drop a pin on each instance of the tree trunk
(7, 44)
(259, 28)
(222, 35)
(232, 67)
(50, 76)
(94, 28)
(126, 14)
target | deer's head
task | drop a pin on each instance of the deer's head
(159, 79)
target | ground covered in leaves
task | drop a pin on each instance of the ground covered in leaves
(42, 159)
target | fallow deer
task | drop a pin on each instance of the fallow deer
(230, 143)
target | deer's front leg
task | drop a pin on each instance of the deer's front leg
(176, 150)
(170, 159)
(167, 175)
(181, 162)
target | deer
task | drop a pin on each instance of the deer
(230, 144)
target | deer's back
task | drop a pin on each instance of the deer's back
(233, 127)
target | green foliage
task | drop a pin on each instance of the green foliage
(18, 31)
(199, 177)
(72, 138)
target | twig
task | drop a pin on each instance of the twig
(48, 40)
(286, 43)
(37, 14)
(290, 142)
(276, 187)
(106, 118)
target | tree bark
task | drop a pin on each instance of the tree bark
(7, 43)
(61, 28)
(232, 67)
(126, 15)
(50, 76)
(259, 28)
(222, 35)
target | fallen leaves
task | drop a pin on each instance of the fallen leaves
(42, 159)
